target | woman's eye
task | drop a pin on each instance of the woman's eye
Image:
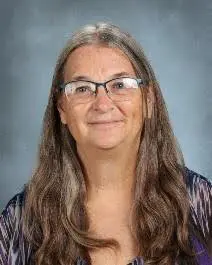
(118, 85)
(82, 89)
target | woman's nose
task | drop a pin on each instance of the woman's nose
(102, 101)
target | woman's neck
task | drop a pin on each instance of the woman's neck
(109, 171)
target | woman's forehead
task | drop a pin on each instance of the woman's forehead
(94, 60)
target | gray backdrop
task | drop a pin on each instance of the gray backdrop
(176, 36)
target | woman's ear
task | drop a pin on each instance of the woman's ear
(62, 110)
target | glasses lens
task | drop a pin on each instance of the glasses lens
(84, 91)
(122, 88)
(80, 91)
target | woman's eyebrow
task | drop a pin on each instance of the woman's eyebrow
(80, 77)
(84, 77)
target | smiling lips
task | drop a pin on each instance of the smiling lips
(104, 124)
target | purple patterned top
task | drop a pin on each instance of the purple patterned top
(14, 250)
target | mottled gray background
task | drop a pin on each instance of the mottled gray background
(176, 36)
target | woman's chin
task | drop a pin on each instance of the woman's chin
(106, 145)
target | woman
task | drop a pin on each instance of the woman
(111, 186)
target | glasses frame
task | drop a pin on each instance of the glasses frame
(103, 84)
(139, 81)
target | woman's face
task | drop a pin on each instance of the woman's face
(101, 123)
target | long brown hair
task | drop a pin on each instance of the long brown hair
(55, 220)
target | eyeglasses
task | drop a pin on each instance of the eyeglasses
(118, 89)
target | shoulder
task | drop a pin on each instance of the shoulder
(17, 199)
(199, 188)
(14, 207)
(195, 180)
(12, 245)
(200, 193)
